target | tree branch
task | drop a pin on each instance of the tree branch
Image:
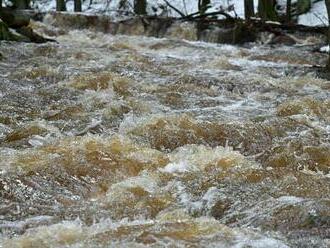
(195, 16)
(175, 9)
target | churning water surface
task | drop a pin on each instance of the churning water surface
(130, 141)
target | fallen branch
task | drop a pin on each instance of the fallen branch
(192, 15)
(175, 9)
(32, 36)
(18, 20)
(195, 16)
(5, 34)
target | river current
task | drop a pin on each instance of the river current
(131, 141)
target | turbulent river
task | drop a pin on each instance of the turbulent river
(131, 141)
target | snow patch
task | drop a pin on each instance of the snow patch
(317, 16)
(325, 49)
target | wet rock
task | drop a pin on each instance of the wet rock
(31, 35)
(243, 33)
(219, 209)
(20, 22)
(283, 40)
(237, 34)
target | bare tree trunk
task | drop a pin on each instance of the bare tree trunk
(4, 31)
(60, 5)
(77, 6)
(203, 5)
(249, 9)
(327, 4)
(21, 4)
(140, 7)
(288, 10)
(266, 10)
(303, 6)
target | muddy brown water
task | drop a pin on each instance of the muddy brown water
(131, 141)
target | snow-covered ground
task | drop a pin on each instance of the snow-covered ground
(317, 16)
(154, 6)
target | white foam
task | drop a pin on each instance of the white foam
(179, 167)
(324, 49)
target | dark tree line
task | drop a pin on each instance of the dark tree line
(140, 7)
(248, 9)
(203, 5)
(266, 10)
(61, 6)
